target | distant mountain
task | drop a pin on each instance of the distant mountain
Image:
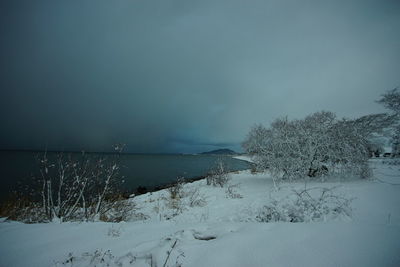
(224, 151)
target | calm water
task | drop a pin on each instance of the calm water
(18, 167)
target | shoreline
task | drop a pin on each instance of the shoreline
(246, 158)
(168, 185)
(141, 189)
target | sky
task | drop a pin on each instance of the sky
(182, 76)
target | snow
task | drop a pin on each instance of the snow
(245, 158)
(218, 230)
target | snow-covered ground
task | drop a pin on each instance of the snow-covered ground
(244, 157)
(213, 226)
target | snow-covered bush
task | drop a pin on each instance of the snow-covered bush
(164, 253)
(83, 188)
(175, 191)
(73, 187)
(318, 145)
(314, 204)
(218, 175)
(175, 195)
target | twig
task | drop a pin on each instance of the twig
(169, 252)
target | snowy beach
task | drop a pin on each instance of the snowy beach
(214, 226)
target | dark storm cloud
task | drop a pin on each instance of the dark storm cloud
(184, 76)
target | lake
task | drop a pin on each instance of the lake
(146, 170)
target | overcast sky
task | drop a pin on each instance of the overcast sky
(186, 76)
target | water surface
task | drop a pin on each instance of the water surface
(148, 170)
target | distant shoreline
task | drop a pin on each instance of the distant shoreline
(91, 152)
(244, 158)
(115, 153)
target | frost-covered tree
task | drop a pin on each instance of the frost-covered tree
(255, 140)
(374, 123)
(349, 148)
(316, 139)
(317, 145)
(391, 100)
(282, 149)
(396, 142)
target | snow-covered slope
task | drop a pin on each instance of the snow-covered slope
(212, 226)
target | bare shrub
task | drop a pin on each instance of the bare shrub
(96, 258)
(121, 210)
(71, 187)
(218, 175)
(23, 210)
(314, 204)
(180, 198)
(231, 191)
(176, 193)
(253, 169)
(195, 198)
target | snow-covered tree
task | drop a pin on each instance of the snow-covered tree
(317, 145)
(391, 100)
(374, 123)
(255, 140)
